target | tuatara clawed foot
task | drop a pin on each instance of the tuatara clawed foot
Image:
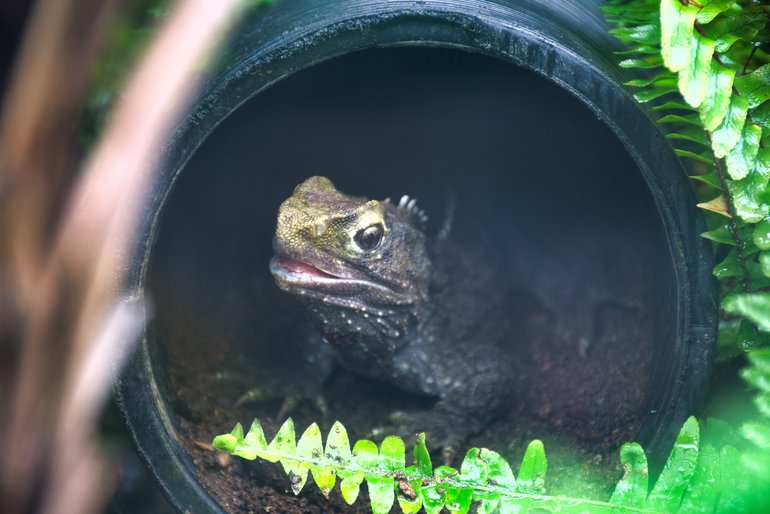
(291, 400)
(441, 435)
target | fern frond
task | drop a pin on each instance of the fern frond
(689, 482)
(716, 51)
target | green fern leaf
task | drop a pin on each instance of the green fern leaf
(689, 119)
(694, 135)
(676, 27)
(631, 490)
(646, 63)
(727, 134)
(665, 80)
(761, 235)
(337, 450)
(680, 467)
(761, 115)
(740, 159)
(721, 235)
(704, 157)
(533, 468)
(755, 86)
(674, 106)
(705, 486)
(710, 178)
(717, 100)
(753, 306)
(645, 34)
(758, 374)
(711, 9)
(729, 267)
(731, 28)
(694, 79)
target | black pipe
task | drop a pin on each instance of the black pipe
(564, 41)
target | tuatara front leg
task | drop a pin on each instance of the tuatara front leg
(301, 383)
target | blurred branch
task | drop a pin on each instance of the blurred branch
(66, 235)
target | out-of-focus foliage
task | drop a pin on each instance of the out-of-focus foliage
(127, 38)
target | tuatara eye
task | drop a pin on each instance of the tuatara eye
(370, 237)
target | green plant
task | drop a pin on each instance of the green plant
(714, 57)
(696, 478)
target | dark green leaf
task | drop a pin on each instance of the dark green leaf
(696, 135)
(666, 79)
(764, 263)
(676, 27)
(728, 29)
(727, 339)
(720, 235)
(761, 115)
(668, 106)
(678, 471)
(711, 9)
(631, 490)
(717, 99)
(648, 34)
(653, 93)
(704, 157)
(748, 337)
(709, 178)
(727, 134)
(728, 267)
(638, 50)
(646, 63)
(755, 86)
(690, 119)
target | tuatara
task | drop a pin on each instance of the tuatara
(396, 305)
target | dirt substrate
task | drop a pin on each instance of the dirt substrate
(582, 406)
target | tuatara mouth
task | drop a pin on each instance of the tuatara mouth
(290, 273)
(299, 272)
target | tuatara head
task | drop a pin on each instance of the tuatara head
(360, 265)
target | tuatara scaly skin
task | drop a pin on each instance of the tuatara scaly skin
(394, 305)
